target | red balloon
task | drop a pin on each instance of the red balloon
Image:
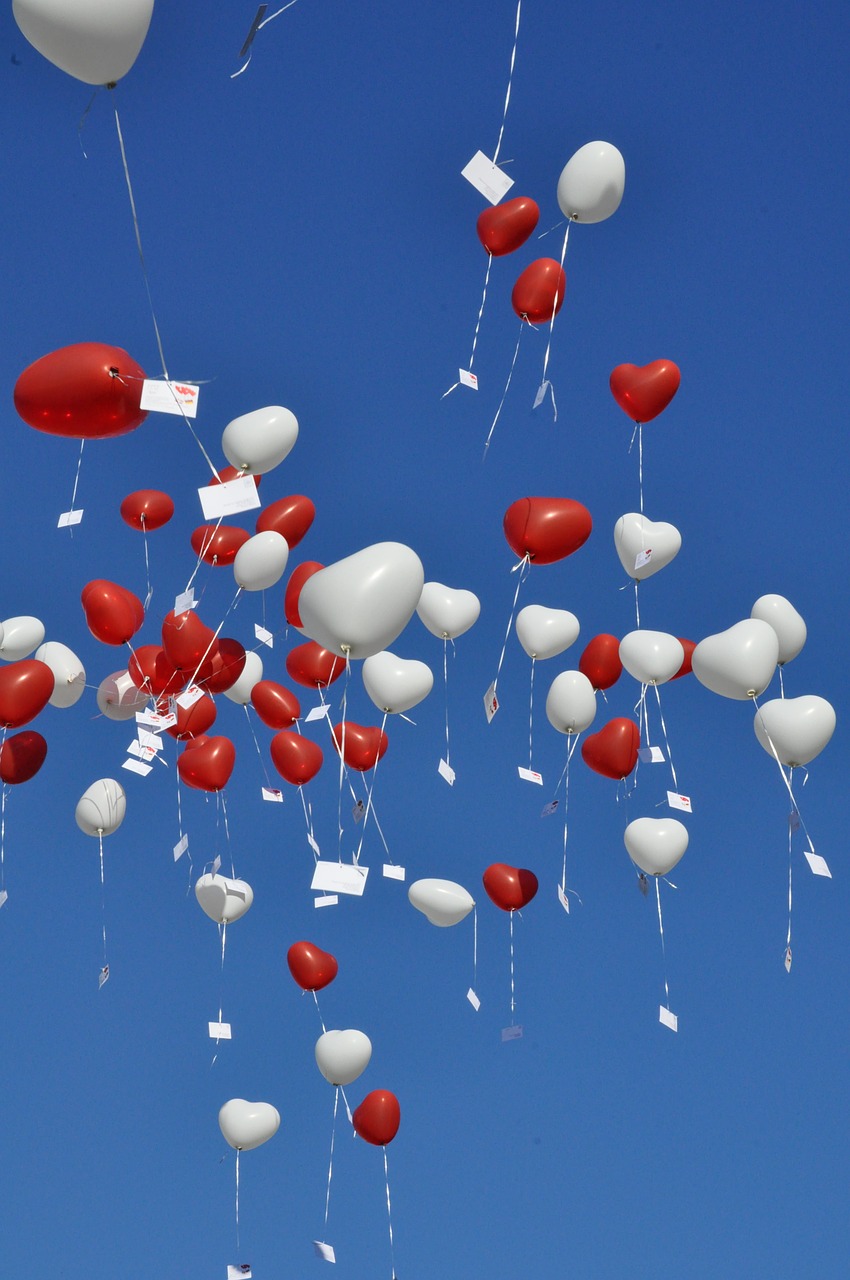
(296, 759)
(546, 529)
(685, 669)
(314, 667)
(223, 665)
(147, 509)
(293, 590)
(207, 763)
(26, 687)
(152, 671)
(186, 639)
(505, 227)
(509, 887)
(540, 288)
(643, 392)
(113, 614)
(361, 747)
(21, 756)
(88, 391)
(600, 661)
(311, 967)
(290, 517)
(231, 473)
(377, 1118)
(193, 721)
(218, 544)
(274, 704)
(613, 751)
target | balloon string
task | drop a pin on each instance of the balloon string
(513, 999)
(369, 808)
(389, 1215)
(663, 948)
(308, 819)
(257, 745)
(3, 833)
(781, 683)
(572, 744)
(149, 594)
(276, 15)
(543, 383)
(788, 787)
(474, 947)
(480, 311)
(318, 1010)
(637, 605)
(340, 746)
(331, 1161)
(237, 1199)
(510, 82)
(788, 938)
(446, 693)
(523, 566)
(531, 713)
(505, 392)
(219, 795)
(205, 546)
(102, 897)
(217, 633)
(666, 742)
(347, 1108)
(640, 463)
(77, 480)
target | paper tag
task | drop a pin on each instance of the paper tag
(185, 601)
(787, 959)
(468, 379)
(511, 1033)
(326, 900)
(530, 775)
(68, 518)
(563, 899)
(270, 793)
(314, 844)
(794, 820)
(149, 741)
(317, 713)
(264, 637)
(219, 500)
(358, 813)
(643, 883)
(643, 557)
(4, 897)
(242, 1269)
(491, 702)
(651, 755)
(153, 720)
(817, 864)
(220, 1031)
(668, 1019)
(549, 809)
(180, 848)
(103, 976)
(216, 865)
(189, 697)
(137, 766)
(486, 177)
(392, 872)
(340, 877)
(169, 397)
(473, 999)
(679, 802)
(324, 1251)
(446, 771)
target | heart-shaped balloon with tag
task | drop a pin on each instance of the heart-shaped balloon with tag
(654, 541)
(546, 529)
(539, 291)
(296, 758)
(739, 662)
(186, 639)
(789, 626)
(357, 606)
(361, 746)
(543, 632)
(396, 684)
(207, 763)
(643, 392)
(613, 750)
(312, 666)
(247, 1125)
(87, 391)
(798, 728)
(276, 705)
(655, 845)
(505, 227)
(342, 1056)
(377, 1118)
(310, 966)
(222, 899)
(442, 902)
(447, 612)
(652, 657)
(511, 888)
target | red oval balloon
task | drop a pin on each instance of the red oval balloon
(291, 517)
(314, 667)
(311, 967)
(147, 509)
(218, 544)
(509, 887)
(223, 666)
(685, 669)
(152, 671)
(540, 288)
(613, 751)
(207, 764)
(274, 704)
(186, 639)
(113, 614)
(645, 391)
(193, 721)
(361, 747)
(293, 590)
(600, 661)
(296, 759)
(546, 529)
(21, 756)
(231, 473)
(377, 1118)
(505, 227)
(88, 391)
(26, 687)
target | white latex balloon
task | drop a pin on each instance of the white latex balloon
(543, 632)
(96, 41)
(261, 561)
(396, 684)
(740, 662)
(442, 902)
(247, 1125)
(68, 672)
(342, 1056)
(101, 808)
(571, 702)
(447, 611)
(252, 673)
(634, 534)
(785, 620)
(257, 442)
(118, 698)
(655, 845)
(222, 899)
(357, 606)
(652, 657)
(592, 182)
(799, 728)
(21, 637)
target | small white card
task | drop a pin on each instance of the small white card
(317, 713)
(392, 872)
(563, 899)
(787, 959)
(326, 900)
(530, 775)
(185, 601)
(468, 379)
(794, 821)
(242, 1271)
(137, 766)
(271, 793)
(149, 741)
(446, 771)
(667, 1019)
(189, 697)
(643, 557)
(323, 1251)
(154, 721)
(491, 702)
(219, 500)
(180, 848)
(68, 518)
(103, 976)
(220, 1031)
(4, 897)
(679, 802)
(817, 864)
(651, 755)
(473, 999)
(264, 636)
(486, 177)
(549, 809)
(216, 864)
(511, 1033)
(339, 877)
(169, 397)
(358, 813)
(314, 844)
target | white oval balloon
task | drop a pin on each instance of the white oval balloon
(357, 606)
(396, 684)
(442, 902)
(96, 41)
(786, 622)
(635, 535)
(739, 662)
(246, 1125)
(655, 845)
(21, 637)
(447, 612)
(251, 674)
(223, 899)
(261, 561)
(544, 633)
(571, 702)
(652, 657)
(69, 673)
(257, 442)
(118, 698)
(101, 808)
(342, 1056)
(799, 728)
(592, 182)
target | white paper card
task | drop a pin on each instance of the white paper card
(185, 601)
(679, 802)
(511, 1033)
(473, 999)
(530, 775)
(486, 177)
(787, 959)
(180, 848)
(137, 766)
(326, 900)
(324, 1251)
(216, 864)
(358, 813)
(103, 976)
(817, 864)
(155, 721)
(491, 703)
(242, 1271)
(141, 753)
(169, 397)
(264, 636)
(651, 755)
(446, 771)
(189, 697)
(468, 379)
(643, 557)
(667, 1019)
(3, 897)
(220, 1031)
(339, 877)
(549, 809)
(563, 899)
(392, 872)
(219, 500)
(317, 713)
(270, 793)
(151, 741)
(314, 844)
(68, 518)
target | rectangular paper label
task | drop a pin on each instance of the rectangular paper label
(314, 844)
(219, 500)
(68, 518)
(511, 1033)
(473, 999)
(159, 396)
(679, 802)
(103, 976)
(651, 755)
(141, 753)
(154, 721)
(323, 1251)
(189, 697)
(468, 379)
(392, 872)
(549, 809)
(317, 713)
(216, 864)
(180, 848)
(185, 601)
(530, 775)
(264, 636)
(150, 741)
(270, 793)
(491, 702)
(446, 771)
(220, 1031)
(668, 1019)
(787, 959)
(486, 177)
(136, 766)
(358, 813)
(3, 897)
(817, 864)
(326, 900)
(242, 1271)
(643, 557)
(339, 877)
(563, 899)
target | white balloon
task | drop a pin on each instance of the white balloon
(571, 702)
(447, 612)
(634, 534)
(799, 728)
(357, 606)
(655, 845)
(396, 684)
(247, 1125)
(69, 673)
(592, 182)
(252, 673)
(258, 442)
(342, 1056)
(101, 808)
(442, 902)
(543, 632)
(21, 637)
(118, 698)
(96, 41)
(652, 657)
(261, 561)
(786, 622)
(739, 662)
(222, 899)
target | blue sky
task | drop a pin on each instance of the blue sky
(310, 242)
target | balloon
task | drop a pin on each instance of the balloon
(359, 605)
(342, 1056)
(152, 671)
(311, 967)
(361, 747)
(799, 728)
(218, 544)
(251, 674)
(543, 632)
(257, 442)
(442, 902)
(222, 899)
(246, 1125)
(186, 639)
(655, 845)
(644, 392)
(546, 529)
(261, 561)
(291, 517)
(274, 704)
(101, 808)
(600, 661)
(118, 698)
(447, 612)
(21, 756)
(195, 720)
(613, 750)
(591, 184)
(88, 391)
(377, 1118)
(113, 614)
(147, 509)
(293, 590)
(786, 622)
(69, 674)
(96, 41)
(688, 647)
(740, 662)
(25, 689)
(21, 637)
(652, 657)
(396, 684)
(206, 764)
(635, 535)
(297, 759)
(571, 702)
(314, 667)
(505, 227)
(539, 291)
(511, 888)
(224, 665)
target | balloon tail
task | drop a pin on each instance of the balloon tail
(257, 745)
(531, 714)
(331, 1160)
(105, 969)
(308, 819)
(446, 693)
(455, 385)
(666, 741)
(237, 1199)
(545, 384)
(3, 834)
(788, 937)
(523, 566)
(513, 986)
(781, 683)
(510, 83)
(318, 1011)
(475, 948)
(663, 948)
(504, 393)
(369, 807)
(389, 1215)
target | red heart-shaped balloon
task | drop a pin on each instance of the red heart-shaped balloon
(88, 391)
(314, 667)
(613, 751)
(361, 747)
(274, 704)
(152, 671)
(21, 756)
(540, 288)
(685, 669)
(643, 392)
(311, 967)
(223, 665)
(25, 689)
(290, 517)
(505, 227)
(546, 529)
(147, 509)
(218, 544)
(293, 590)
(113, 614)
(600, 661)
(296, 759)
(509, 887)
(377, 1118)
(186, 639)
(192, 721)
(207, 763)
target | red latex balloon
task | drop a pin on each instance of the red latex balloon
(505, 227)
(193, 721)
(685, 669)
(207, 763)
(311, 967)
(113, 614)
(362, 748)
(147, 509)
(377, 1118)
(546, 529)
(290, 517)
(25, 689)
(535, 291)
(314, 667)
(274, 704)
(152, 671)
(186, 639)
(231, 473)
(88, 391)
(643, 392)
(223, 666)
(21, 756)
(296, 759)
(613, 751)
(600, 661)
(509, 887)
(218, 545)
(293, 590)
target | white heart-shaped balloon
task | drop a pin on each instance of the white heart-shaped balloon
(118, 698)
(442, 902)
(543, 632)
(21, 637)
(96, 41)
(799, 728)
(357, 606)
(634, 535)
(571, 702)
(261, 561)
(656, 844)
(251, 674)
(592, 182)
(342, 1056)
(101, 808)
(257, 442)
(222, 899)
(447, 611)
(786, 622)
(68, 672)
(246, 1125)
(652, 657)
(396, 684)
(739, 662)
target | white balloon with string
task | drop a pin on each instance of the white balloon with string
(655, 846)
(246, 1126)
(653, 658)
(444, 903)
(359, 605)
(543, 633)
(69, 674)
(447, 612)
(789, 626)
(100, 812)
(342, 1057)
(118, 698)
(225, 899)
